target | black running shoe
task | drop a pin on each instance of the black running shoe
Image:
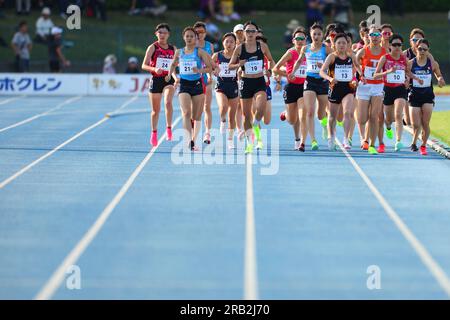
(414, 148)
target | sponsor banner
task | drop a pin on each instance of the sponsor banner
(118, 84)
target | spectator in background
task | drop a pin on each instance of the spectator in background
(313, 12)
(44, 26)
(22, 45)
(62, 6)
(394, 7)
(342, 13)
(132, 66)
(207, 8)
(213, 33)
(227, 12)
(109, 65)
(23, 7)
(98, 8)
(144, 7)
(291, 26)
(55, 55)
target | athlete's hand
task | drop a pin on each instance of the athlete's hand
(216, 71)
(441, 82)
(333, 81)
(278, 86)
(319, 64)
(159, 71)
(176, 83)
(354, 83)
(363, 80)
(195, 70)
(291, 76)
(393, 69)
(167, 78)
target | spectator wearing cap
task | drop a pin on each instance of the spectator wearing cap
(22, 45)
(291, 26)
(55, 55)
(238, 31)
(109, 64)
(133, 66)
(44, 26)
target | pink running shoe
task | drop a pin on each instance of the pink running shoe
(423, 150)
(154, 139)
(169, 134)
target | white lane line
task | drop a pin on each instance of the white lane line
(62, 145)
(250, 268)
(11, 100)
(58, 276)
(59, 106)
(418, 247)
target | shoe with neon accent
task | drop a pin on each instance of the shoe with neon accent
(302, 147)
(169, 134)
(389, 133)
(381, 148)
(257, 132)
(259, 145)
(207, 138)
(324, 122)
(154, 139)
(423, 150)
(314, 145)
(414, 148)
(372, 150)
(283, 116)
(249, 148)
(223, 125)
(398, 146)
(340, 123)
(365, 145)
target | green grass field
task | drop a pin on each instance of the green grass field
(125, 35)
(440, 126)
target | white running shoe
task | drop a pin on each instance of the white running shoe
(297, 145)
(230, 143)
(223, 127)
(331, 145)
(346, 144)
(241, 135)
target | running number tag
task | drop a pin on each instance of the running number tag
(187, 66)
(301, 71)
(225, 72)
(396, 77)
(314, 65)
(344, 74)
(253, 67)
(164, 63)
(369, 72)
(426, 81)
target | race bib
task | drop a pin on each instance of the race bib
(164, 63)
(396, 77)
(225, 72)
(426, 81)
(369, 72)
(344, 74)
(301, 71)
(187, 66)
(253, 67)
(313, 65)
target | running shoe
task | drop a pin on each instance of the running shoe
(423, 150)
(259, 145)
(389, 133)
(314, 145)
(324, 123)
(230, 143)
(372, 150)
(283, 116)
(207, 138)
(331, 145)
(350, 142)
(154, 139)
(340, 123)
(381, 148)
(365, 145)
(398, 146)
(193, 146)
(414, 148)
(223, 127)
(302, 147)
(346, 144)
(249, 148)
(297, 145)
(257, 132)
(169, 134)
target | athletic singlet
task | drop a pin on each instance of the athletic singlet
(187, 63)
(369, 65)
(225, 74)
(410, 54)
(397, 78)
(300, 74)
(162, 58)
(254, 61)
(207, 48)
(313, 59)
(341, 69)
(426, 74)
